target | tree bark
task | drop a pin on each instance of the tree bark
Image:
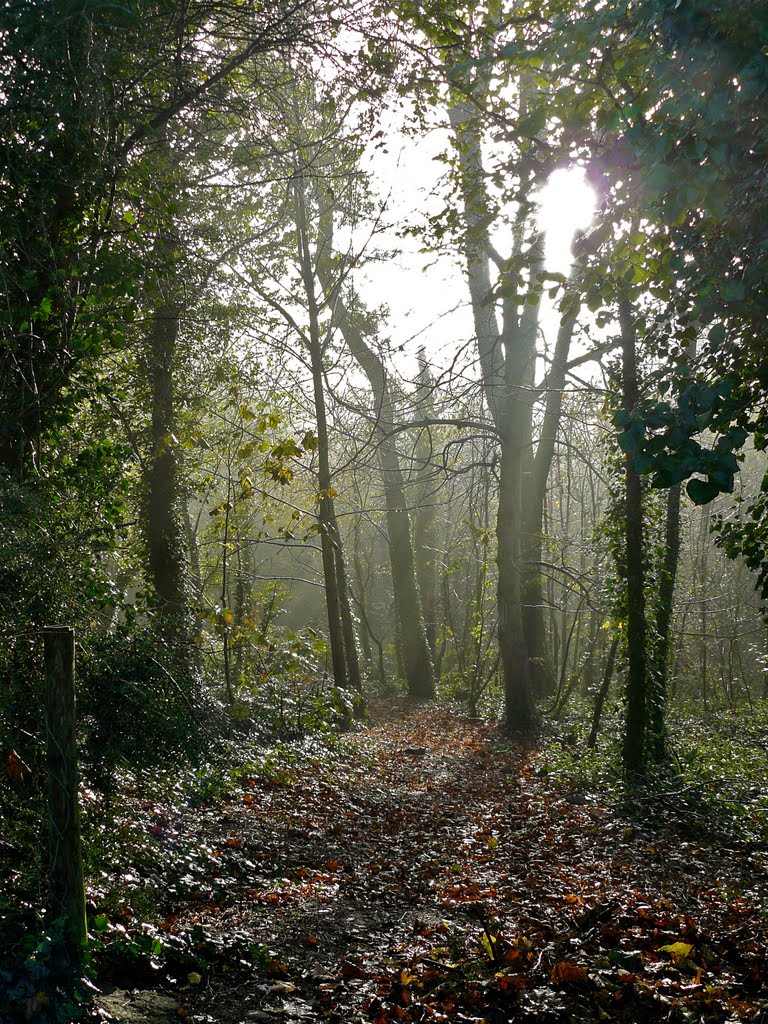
(635, 750)
(163, 519)
(657, 716)
(65, 868)
(507, 359)
(602, 695)
(425, 524)
(330, 539)
(540, 661)
(519, 703)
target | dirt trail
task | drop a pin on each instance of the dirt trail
(434, 877)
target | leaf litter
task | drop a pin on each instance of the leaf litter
(434, 875)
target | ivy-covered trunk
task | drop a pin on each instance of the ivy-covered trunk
(163, 520)
(635, 751)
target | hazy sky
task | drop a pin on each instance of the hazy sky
(426, 294)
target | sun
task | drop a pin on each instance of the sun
(567, 204)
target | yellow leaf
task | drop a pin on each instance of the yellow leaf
(677, 949)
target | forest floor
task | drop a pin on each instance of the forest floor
(431, 873)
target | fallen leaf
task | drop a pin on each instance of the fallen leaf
(677, 949)
(282, 988)
(568, 973)
(352, 970)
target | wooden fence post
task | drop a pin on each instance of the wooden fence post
(67, 885)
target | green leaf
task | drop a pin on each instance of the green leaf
(732, 291)
(717, 335)
(644, 463)
(701, 491)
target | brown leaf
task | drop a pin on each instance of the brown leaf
(568, 973)
(16, 769)
(349, 969)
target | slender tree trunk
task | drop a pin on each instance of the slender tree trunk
(519, 705)
(329, 536)
(602, 694)
(703, 610)
(635, 752)
(540, 661)
(326, 519)
(65, 867)
(425, 524)
(347, 621)
(242, 603)
(657, 716)
(416, 657)
(163, 507)
(365, 633)
(224, 597)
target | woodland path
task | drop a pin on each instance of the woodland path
(435, 876)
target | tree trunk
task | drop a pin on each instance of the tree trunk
(416, 657)
(347, 621)
(540, 661)
(425, 520)
(519, 705)
(635, 752)
(657, 716)
(360, 598)
(326, 519)
(67, 887)
(602, 695)
(224, 598)
(507, 360)
(329, 536)
(163, 519)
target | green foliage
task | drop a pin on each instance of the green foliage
(66, 527)
(565, 760)
(70, 293)
(146, 954)
(292, 707)
(724, 760)
(36, 974)
(133, 711)
(746, 537)
(661, 435)
(715, 786)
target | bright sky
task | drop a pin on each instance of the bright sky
(427, 295)
(567, 205)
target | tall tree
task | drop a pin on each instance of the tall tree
(88, 84)
(351, 321)
(340, 624)
(507, 350)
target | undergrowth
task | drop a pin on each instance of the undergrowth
(715, 781)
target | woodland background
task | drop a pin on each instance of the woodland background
(257, 511)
